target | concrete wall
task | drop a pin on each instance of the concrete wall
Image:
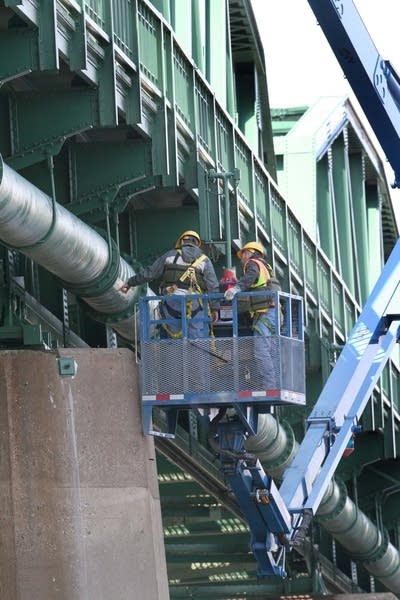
(80, 510)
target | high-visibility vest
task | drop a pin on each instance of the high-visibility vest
(264, 281)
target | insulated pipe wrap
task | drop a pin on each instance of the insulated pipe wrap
(349, 526)
(72, 250)
(274, 444)
(387, 568)
(337, 513)
(75, 253)
(64, 245)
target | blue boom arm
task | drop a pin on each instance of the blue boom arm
(330, 427)
(277, 518)
(373, 80)
(346, 393)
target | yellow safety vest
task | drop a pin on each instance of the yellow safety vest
(260, 304)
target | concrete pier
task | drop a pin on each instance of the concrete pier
(80, 509)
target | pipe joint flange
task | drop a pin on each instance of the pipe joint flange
(287, 450)
(339, 506)
(376, 554)
(103, 282)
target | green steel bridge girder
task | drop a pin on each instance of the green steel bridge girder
(169, 101)
(188, 131)
(35, 48)
(109, 173)
(45, 32)
(18, 53)
(101, 174)
(41, 121)
(94, 82)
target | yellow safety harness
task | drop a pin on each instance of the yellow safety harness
(189, 280)
(189, 276)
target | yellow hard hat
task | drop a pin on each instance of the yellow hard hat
(252, 246)
(189, 233)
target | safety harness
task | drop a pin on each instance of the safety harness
(184, 277)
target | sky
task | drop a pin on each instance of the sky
(300, 64)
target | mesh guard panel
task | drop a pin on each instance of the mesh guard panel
(218, 365)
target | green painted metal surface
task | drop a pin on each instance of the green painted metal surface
(136, 110)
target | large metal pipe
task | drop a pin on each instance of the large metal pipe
(275, 447)
(358, 534)
(31, 222)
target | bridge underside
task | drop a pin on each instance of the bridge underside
(107, 115)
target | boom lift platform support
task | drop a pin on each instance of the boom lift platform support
(374, 81)
(174, 376)
(188, 373)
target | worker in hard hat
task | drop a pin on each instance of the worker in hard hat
(182, 270)
(258, 276)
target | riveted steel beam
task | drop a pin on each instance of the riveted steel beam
(19, 53)
(36, 132)
(100, 171)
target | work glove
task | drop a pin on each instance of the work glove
(230, 292)
(124, 288)
(127, 285)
